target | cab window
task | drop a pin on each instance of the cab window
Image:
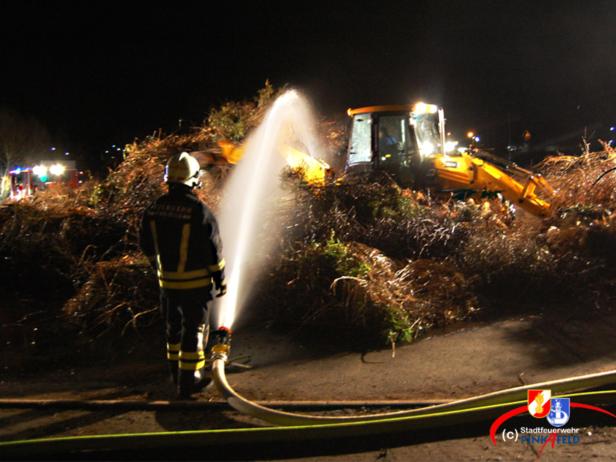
(394, 141)
(360, 147)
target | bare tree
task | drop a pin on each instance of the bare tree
(20, 137)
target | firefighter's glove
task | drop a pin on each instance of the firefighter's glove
(219, 283)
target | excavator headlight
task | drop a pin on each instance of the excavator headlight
(423, 108)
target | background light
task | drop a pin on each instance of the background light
(450, 146)
(57, 169)
(40, 171)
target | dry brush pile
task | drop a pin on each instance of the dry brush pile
(366, 262)
(382, 263)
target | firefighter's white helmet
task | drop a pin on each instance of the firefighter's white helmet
(183, 168)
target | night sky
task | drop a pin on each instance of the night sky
(97, 73)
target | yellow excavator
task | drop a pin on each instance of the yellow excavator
(409, 143)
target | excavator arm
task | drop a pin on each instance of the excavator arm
(470, 172)
(314, 171)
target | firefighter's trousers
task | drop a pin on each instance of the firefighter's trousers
(187, 329)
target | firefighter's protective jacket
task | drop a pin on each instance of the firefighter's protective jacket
(180, 234)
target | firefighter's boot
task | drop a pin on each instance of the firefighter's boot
(190, 382)
(173, 372)
(186, 381)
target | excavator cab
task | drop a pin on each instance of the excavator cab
(394, 139)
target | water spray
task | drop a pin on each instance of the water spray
(249, 192)
(252, 189)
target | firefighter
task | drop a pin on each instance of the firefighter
(179, 235)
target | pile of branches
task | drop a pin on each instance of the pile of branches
(378, 213)
(374, 259)
(588, 180)
(360, 297)
(45, 249)
(369, 259)
(447, 260)
(116, 296)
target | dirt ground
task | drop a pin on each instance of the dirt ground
(469, 361)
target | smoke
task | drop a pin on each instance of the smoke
(248, 227)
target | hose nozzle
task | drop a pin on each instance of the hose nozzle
(221, 344)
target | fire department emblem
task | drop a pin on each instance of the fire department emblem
(539, 403)
(560, 411)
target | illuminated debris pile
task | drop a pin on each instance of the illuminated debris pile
(118, 287)
(372, 258)
(139, 178)
(518, 265)
(451, 259)
(46, 250)
(366, 258)
(117, 296)
(586, 181)
(583, 227)
(233, 120)
(363, 296)
(399, 222)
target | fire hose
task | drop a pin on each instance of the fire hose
(220, 353)
(518, 394)
(296, 427)
(226, 438)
